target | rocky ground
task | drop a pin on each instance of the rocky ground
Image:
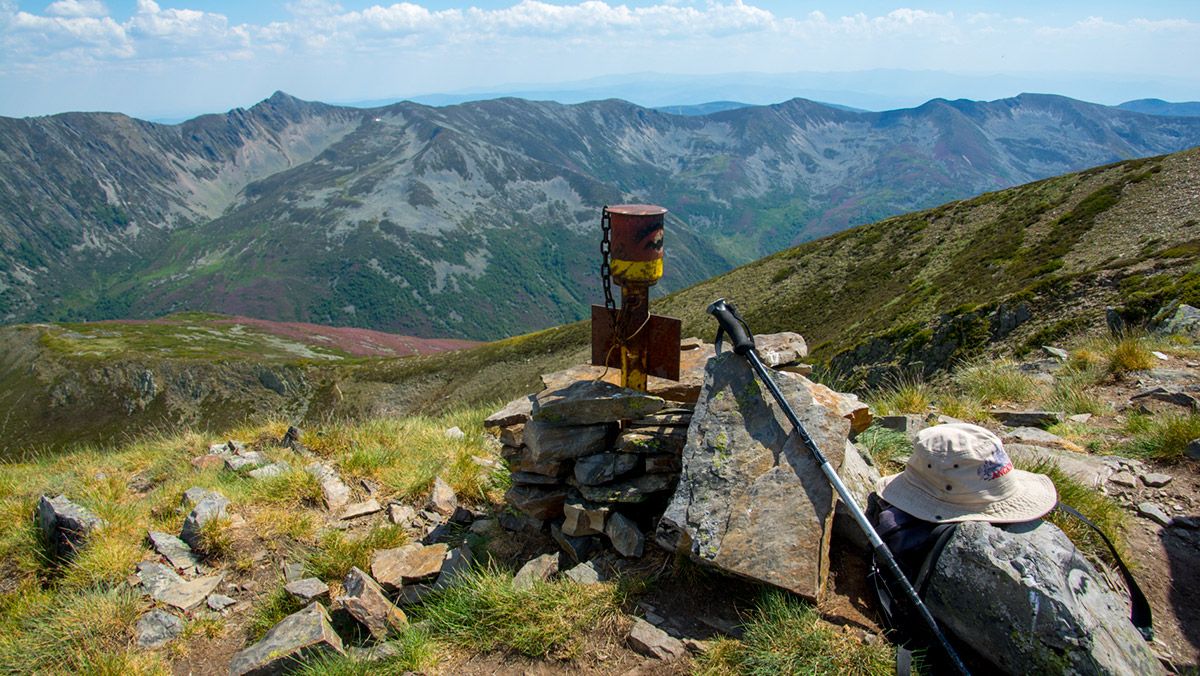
(195, 555)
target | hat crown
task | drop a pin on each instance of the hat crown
(961, 463)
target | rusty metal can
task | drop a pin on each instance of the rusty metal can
(637, 244)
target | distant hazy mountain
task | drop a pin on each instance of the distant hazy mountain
(1160, 107)
(480, 220)
(703, 108)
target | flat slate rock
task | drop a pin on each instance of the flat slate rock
(156, 578)
(632, 491)
(219, 602)
(515, 412)
(65, 525)
(408, 564)
(458, 563)
(189, 594)
(297, 639)
(442, 498)
(577, 548)
(359, 509)
(751, 500)
(1034, 436)
(308, 589)
(604, 467)
(588, 402)
(584, 573)
(625, 536)
(581, 518)
(157, 628)
(549, 442)
(176, 551)
(649, 640)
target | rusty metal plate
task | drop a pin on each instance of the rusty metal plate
(662, 359)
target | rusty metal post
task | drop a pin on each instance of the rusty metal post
(640, 343)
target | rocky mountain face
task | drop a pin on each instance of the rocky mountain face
(479, 220)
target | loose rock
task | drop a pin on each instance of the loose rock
(625, 536)
(176, 551)
(779, 349)
(584, 573)
(401, 515)
(407, 564)
(298, 638)
(456, 565)
(536, 570)
(651, 641)
(1038, 437)
(576, 548)
(157, 628)
(583, 518)
(1156, 480)
(910, 424)
(1154, 512)
(1058, 353)
(442, 500)
(65, 525)
(292, 570)
(1185, 322)
(308, 590)
(358, 509)
(219, 602)
(516, 412)
(633, 491)
(1192, 450)
(245, 460)
(455, 434)
(364, 599)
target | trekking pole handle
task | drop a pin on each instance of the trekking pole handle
(732, 323)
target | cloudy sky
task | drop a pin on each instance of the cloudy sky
(176, 57)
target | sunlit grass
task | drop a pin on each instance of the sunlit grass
(997, 381)
(902, 394)
(1161, 437)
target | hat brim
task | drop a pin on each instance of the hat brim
(1035, 497)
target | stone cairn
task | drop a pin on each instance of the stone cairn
(596, 463)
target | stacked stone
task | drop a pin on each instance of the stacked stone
(593, 461)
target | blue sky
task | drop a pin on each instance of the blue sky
(175, 57)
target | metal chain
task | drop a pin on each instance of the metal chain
(605, 250)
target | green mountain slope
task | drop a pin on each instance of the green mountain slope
(1002, 272)
(479, 220)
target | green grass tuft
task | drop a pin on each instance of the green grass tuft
(485, 612)
(269, 610)
(1161, 437)
(1130, 354)
(997, 382)
(903, 394)
(888, 448)
(787, 636)
(1102, 510)
(336, 553)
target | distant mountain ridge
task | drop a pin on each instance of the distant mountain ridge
(1160, 107)
(479, 220)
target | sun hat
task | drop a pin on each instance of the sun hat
(960, 472)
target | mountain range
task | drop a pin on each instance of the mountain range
(479, 220)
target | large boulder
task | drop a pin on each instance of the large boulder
(297, 638)
(587, 402)
(1184, 322)
(65, 525)
(1024, 598)
(751, 500)
(860, 478)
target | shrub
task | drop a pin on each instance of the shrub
(485, 612)
(787, 636)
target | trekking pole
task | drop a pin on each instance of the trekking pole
(743, 344)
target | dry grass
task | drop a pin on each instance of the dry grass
(1162, 437)
(902, 394)
(997, 381)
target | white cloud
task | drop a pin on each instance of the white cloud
(77, 8)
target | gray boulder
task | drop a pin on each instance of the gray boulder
(157, 628)
(516, 412)
(751, 500)
(297, 638)
(860, 479)
(910, 424)
(651, 641)
(1026, 599)
(210, 506)
(625, 536)
(778, 349)
(65, 525)
(1185, 322)
(176, 551)
(587, 402)
(308, 590)
(538, 502)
